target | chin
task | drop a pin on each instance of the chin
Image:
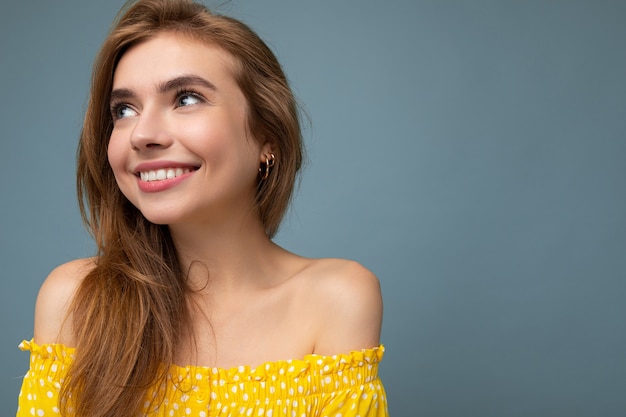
(159, 218)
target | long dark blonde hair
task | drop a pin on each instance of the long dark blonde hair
(131, 311)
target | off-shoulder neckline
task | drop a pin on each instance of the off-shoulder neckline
(325, 363)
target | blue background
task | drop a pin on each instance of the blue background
(471, 153)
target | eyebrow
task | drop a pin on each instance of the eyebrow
(173, 84)
(185, 80)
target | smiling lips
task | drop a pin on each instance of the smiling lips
(151, 180)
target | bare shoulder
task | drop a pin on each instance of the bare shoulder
(54, 299)
(346, 302)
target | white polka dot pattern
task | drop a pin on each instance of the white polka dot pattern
(344, 385)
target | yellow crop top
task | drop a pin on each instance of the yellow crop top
(345, 385)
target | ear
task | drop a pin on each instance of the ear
(266, 149)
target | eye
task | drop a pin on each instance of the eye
(187, 98)
(121, 111)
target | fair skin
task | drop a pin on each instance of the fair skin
(177, 105)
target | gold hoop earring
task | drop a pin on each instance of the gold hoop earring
(269, 162)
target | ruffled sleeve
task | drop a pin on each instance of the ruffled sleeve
(358, 391)
(40, 387)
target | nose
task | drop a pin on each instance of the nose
(150, 131)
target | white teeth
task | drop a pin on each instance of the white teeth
(163, 174)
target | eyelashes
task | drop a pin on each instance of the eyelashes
(183, 97)
(188, 97)
(119, 110)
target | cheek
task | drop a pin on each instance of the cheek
(219, 143)
(205, 140)
(113, 153)
(117, 158)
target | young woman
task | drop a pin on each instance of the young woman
(187, 160)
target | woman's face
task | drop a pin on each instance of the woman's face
(180, 148)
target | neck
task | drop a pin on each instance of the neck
(233, 253)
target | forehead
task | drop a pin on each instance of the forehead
(168, 55)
